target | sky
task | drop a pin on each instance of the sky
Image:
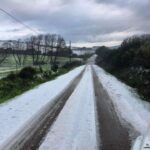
(84, 22)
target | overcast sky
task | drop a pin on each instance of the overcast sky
(84, 22)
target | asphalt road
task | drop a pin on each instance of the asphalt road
(113, 136)
(31, 136)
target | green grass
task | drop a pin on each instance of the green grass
(14, 84)
(9, 64)
(10, 61)
(10, 88)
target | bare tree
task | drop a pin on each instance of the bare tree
(60, 44)
(52, 44)
(36, 48)
(31, 42)
(4, 51)
(45, 48)
(19, 52)
(70, 52)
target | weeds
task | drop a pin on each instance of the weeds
(17, 83)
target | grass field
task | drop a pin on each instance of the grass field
(9, 64)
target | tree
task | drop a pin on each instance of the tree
(31, 48)
(70, 52)
(4, 51)
(19, 52)
(60, 45)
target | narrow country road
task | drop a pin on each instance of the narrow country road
(36, 138)
(82, 117)
(75, 126)
(112, 134)
(31, 135)
(78, 110)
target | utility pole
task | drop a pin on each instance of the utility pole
(70, 55)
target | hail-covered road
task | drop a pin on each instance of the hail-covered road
(85, 109)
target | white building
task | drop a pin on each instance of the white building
(83, 50)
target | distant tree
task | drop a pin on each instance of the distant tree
(133, 52)
(60, 45)
(70, 51)
(19, 52)
(43, 49)
(4, 50)
(50, 43)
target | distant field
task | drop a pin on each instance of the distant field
(9, 64)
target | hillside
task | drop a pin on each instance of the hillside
(130, 63)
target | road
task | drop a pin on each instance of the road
(36, 138)
(111, 134)
(114, 136)
(31, 135)
(83, 117)
(75, 127)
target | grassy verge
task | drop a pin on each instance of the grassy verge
(9, 65)
(17, 83)
(130, 62)
(137, 78)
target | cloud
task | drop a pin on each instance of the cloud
(82, 21)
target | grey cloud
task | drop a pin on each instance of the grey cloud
(139, 7)
(14, 30)
(74, 20)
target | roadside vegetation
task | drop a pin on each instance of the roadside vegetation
(130, 63)
(27, 78)
(9, 65)
(41, 51)
(26, 63)
(85, 57)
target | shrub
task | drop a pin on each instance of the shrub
(27, 73)
(54, 67)
(41, 70)
(72, 64)
(11, 76)
(47, 74)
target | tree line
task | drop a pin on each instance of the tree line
(43, 49)
(133, 52)
(130, 62)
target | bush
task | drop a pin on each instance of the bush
(54, 67)
(11, 76)
(17, 83)
(27, 73)
(130, 63)
(47, 74)
(72, 64)
(41, 70)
